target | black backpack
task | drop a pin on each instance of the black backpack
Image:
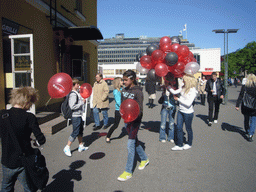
(65, 109)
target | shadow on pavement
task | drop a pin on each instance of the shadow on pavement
(152, 126)
(63, 179)
(232, 128)
(203, 117)
(89, 139)
(122, 134)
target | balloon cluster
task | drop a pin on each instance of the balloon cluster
(169, 59)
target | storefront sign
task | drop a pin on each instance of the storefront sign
(9, 27)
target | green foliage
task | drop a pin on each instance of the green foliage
(244, 59)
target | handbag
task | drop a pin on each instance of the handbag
(161, 100)
(37, 173)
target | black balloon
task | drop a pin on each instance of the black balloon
(175, 39)
(171, 58)
(140, 55)
(150, 49)
(152, 76)
(156, 45)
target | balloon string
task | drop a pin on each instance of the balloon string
(48, 102)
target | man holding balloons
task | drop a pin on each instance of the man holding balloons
(76, 103)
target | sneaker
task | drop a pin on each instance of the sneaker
(186, 146)
(250, 138)
(177, 148)
(125, 176)
(105, 126)
(215, 121)
(96, 128)
(163, 141)
(210, 124)
(67, 151)
(143, 164)
(172, 141)
(82, 148)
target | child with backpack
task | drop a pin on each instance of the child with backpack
(133, 91)
(76, 104)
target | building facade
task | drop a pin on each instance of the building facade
(118, 54)
(40, 38)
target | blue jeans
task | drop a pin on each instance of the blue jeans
(96, 116)
(11, 175)
(77, 128)
(162, 133)
(187, 118)
(131, 146)
(252, 125)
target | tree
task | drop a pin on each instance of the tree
(242, 60)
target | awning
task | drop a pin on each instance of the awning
(207, 73)
(81, 33)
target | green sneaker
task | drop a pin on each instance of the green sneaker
(125, 176)
(143, 164)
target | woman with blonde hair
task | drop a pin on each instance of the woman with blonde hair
(247, 97)
(187, 94)
(117, 84)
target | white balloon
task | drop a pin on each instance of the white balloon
(141, 69)
(191, 68)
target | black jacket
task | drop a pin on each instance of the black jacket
(23, 124)
(251, 110)
(219, 86)
(150, 87)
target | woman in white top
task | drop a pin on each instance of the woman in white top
(185, 114)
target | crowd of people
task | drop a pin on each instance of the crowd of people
(180, 94)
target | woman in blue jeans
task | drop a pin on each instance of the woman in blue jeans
(168, 109)
(247, 97)
(185, 114)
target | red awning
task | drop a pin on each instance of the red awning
(207, 73)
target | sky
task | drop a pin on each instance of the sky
(159, 18)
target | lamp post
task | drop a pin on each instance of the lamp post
(225, 58)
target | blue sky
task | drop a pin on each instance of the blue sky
(158, 18)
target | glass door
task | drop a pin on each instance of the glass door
(22, 61)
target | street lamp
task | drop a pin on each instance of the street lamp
(225, 59)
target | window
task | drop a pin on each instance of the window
(77, 69)
(79, 5)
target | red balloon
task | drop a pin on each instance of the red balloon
(166, 48)
(146, 62)
(190, 54)
(178, 68)
(85, 90)
(158, 56)
(165, 40)
(161, 69)
(175, 47)
(129, 110)
(187, 60)
(183, 50)
(59, 85)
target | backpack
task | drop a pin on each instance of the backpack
(65, 109)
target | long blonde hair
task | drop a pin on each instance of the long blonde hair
(190, 82)
(251, 81)
(117, 83)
